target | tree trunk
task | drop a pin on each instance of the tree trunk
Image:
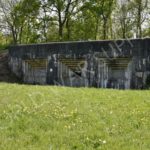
(68, 29)
(96, 29)
(44, 27)
(139, 29)
(111, 28)
(60, 27)
(104, 28)
(20, 35)
(14, 35)
(124, 30)
(60, 32)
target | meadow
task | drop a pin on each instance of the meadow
(63, 118)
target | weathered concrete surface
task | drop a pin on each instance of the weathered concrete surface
(5, 73)
(119, 64)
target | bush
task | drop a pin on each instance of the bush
(3, 47)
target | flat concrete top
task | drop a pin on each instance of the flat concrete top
(79, 42)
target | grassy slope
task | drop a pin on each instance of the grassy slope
(57, 118)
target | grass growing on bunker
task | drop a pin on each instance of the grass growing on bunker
(51, 118)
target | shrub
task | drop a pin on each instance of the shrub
(3, 47)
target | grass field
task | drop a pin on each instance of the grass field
(57, 118)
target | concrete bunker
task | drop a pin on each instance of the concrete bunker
(118, 64)
(35, 71)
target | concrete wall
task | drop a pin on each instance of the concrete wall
(119, 64)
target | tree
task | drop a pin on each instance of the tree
(107, 8)
(123, 19)
(30, 11)
(139, 12)
(16, 14)
(61, 9)
(35, 21)
(9, 18)
(102, 10)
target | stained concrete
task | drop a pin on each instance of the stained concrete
(120, 64)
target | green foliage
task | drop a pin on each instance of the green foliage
(82, 26)
(3, 43)
(3, 47)
(43, 117)
(60, 20)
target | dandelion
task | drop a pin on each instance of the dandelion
(104, 142)
(111, 112)
(80, 121)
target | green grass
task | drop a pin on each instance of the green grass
(58, 118)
